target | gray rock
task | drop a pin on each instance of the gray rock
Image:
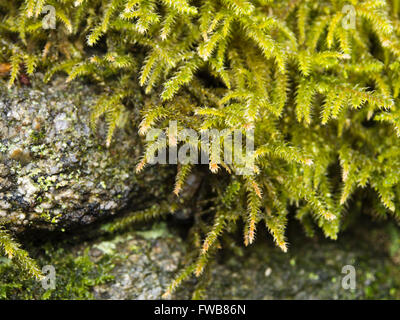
(141, 265)
(310, 270)
(147, 262)
(53, 169)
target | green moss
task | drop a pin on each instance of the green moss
(394, 248)
(37, 136)
(321, 96)
(76, 274)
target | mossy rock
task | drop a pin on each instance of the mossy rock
(55, 170)
(313, 268)
(141, 264)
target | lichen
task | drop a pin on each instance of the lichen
(56, 171)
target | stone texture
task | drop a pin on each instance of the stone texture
(54, 170)
(312, 269)
(147, 263)
(141, 265)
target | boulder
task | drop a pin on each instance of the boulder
(54, 170)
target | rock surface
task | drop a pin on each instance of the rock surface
(141, 265)
(53, 169)
(147, 263)
(312, 269)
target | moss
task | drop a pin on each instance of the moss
(37, 136)
(317, 273)
(76, 275)
(394, 248)
(320, 96)
(84, 267)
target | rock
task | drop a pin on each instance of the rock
(147, 267)
(133, 265)
(312, 268)
(53, 169)
(141, 265)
